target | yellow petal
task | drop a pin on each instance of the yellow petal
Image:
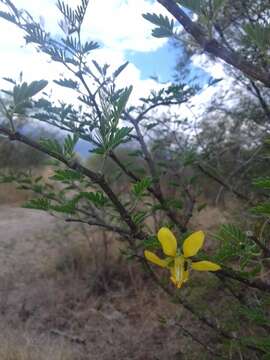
(205, 266)
(177, 284)
(179, 268)
(193, 243)
(168, 241)
(186, 276)
(178, 274)
(150, 256)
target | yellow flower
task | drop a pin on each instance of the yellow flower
(177, 262)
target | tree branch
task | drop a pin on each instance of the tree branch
(108, 227)
(75, 165)
(213, 47)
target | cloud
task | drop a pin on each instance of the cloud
(117, 24)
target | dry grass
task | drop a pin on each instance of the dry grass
(65, 295)
(77, 291)
(21, 345)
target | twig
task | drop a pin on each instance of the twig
(213, 46)
(72, 338)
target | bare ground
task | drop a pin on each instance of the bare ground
(63, 298)
(59, 303)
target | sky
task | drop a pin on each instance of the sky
(121, 30)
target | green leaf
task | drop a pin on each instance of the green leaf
(140, 186)
(52, 145)
(68, 83)
(151, 243)
(89, 46)
(38, 204)
(66, 175)
(162, 32)
(118, 71)
(254, 314)
(97, 198)
(8, 17)
(165, 26)
(121, 102)
(24, 91)
(262, 182)
(139, 217)
(69, 207)
(259, 34)
(262, 209)
(69, 144)
(234, 244)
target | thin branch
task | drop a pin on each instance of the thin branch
(75, 165)
(224, 183)
(213, 46)
(259, 96)
(113, 228)
(256, 284)
(155, 177)
(200, 342)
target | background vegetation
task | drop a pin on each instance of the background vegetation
(149, 167)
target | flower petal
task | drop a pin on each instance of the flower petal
(193, 243)
(179, 284)
(178, 274)
(176, 283)
(168, 241)
(150, 256)
(186, 276)
(205, 266)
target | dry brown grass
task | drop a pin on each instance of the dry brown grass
(21, 345)
(64, 297)
(83, 293)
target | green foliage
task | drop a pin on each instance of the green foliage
(235, 245)
(151, 243)
(262, 343)
(261, 209)
(139, 188)
(22, 93)
(258, 34)
(139, 216)
(67, 149)
(38, 204)
(74, 18)
(69, 145)
(52, 145)
(109, 135)
(262, 182)
(96, 198)
(148, 175)
(165, 26)
(255, 314)
(66, 176)
(68, 83)
(119, 70)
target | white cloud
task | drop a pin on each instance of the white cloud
(117, 24)
(214, 68)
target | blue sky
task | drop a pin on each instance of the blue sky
(123, 33)
(159, 63)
